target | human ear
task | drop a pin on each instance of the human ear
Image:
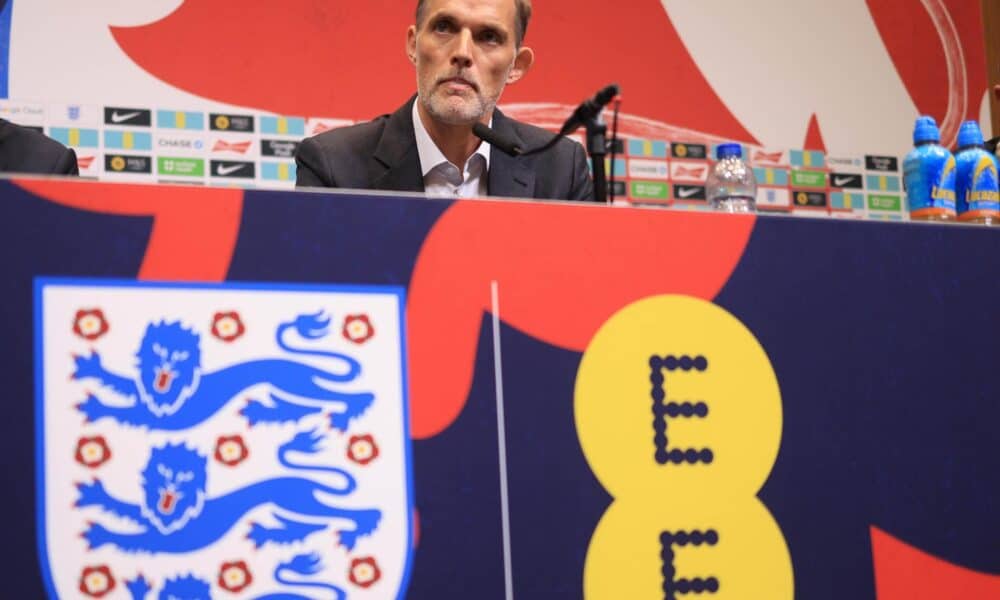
(522, 64)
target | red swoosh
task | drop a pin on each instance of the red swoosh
(336, 58)
(903, 572)
(194, 232)
(561, 271)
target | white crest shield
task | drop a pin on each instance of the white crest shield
(198, 441)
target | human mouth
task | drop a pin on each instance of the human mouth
(457, 84)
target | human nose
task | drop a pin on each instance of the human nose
(462, 55)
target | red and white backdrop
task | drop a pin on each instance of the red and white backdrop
(823, 94)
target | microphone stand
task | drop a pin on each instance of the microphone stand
(597, 147)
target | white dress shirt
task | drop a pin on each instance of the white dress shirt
(441, 177)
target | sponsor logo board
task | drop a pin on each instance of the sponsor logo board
(685, 150)
(278, 148)
(177, 142)
(884, 202)
(809, 199)
(226, 122)
(774, 198)
(174, 166)
(846, 180)
(689, 193)
(881, 163)
(815, 179)
(232, 168)
(644, 168)
(133, 117)
(124, 163)
(689, 171)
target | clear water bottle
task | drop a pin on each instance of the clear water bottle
(731, 186)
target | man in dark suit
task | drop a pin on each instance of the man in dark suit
(465, 53)
(24, 150)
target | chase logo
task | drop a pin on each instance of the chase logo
(123, 163)
(225, 441)
(135, 117)
(221, 122)
(683, 150)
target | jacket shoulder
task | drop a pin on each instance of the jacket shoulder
(358, 139)
(29, 151)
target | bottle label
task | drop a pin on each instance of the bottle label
(930, 186)
(981, 197)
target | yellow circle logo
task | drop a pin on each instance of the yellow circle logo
(802, 198)
(222, 122)
(680, 150)
(118, 163)
(678, 412)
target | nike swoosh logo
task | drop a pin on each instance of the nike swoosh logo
(688, 192)
(839, 181)
(117, 117)
(227, 170)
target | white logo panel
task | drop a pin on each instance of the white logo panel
(222, 439)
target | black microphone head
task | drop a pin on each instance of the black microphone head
(495, 139)
(607, 94)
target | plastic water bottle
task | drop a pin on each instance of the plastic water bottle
(731, 186)
(929, 175)
(977, 196)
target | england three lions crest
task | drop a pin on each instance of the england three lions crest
(215, 441)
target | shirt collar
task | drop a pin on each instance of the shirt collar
(430, 155)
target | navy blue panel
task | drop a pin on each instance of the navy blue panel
(41, 238)
(340, 238)
(884, 339)
(555, 502)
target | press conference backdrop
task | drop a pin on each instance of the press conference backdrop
(219, 93)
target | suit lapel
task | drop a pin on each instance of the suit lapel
(509, 176)
(397, 163)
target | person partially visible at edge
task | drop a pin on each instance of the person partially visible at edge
(24, 150)
(464, 52)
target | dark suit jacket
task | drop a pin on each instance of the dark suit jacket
(24, 150)
(382, 155)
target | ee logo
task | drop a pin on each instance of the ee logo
(679, 416)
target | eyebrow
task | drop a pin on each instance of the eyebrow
(444, 15)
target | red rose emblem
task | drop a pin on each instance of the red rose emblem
(92, 451)
(362, 449)
(90, 324)
(230, 450)
(234, 576)
(364, 572)
(96, 582)
(358, 329)
(227, 326)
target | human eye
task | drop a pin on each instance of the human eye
(442, 25)
(491, 36)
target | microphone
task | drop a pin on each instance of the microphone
(496, 140)
(589, 109)
(581, 116)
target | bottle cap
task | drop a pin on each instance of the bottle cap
(926, 130)
(970, 135)
(728, 151)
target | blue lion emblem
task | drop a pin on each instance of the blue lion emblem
(175, 515)
(170, 391)
(189, 587)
